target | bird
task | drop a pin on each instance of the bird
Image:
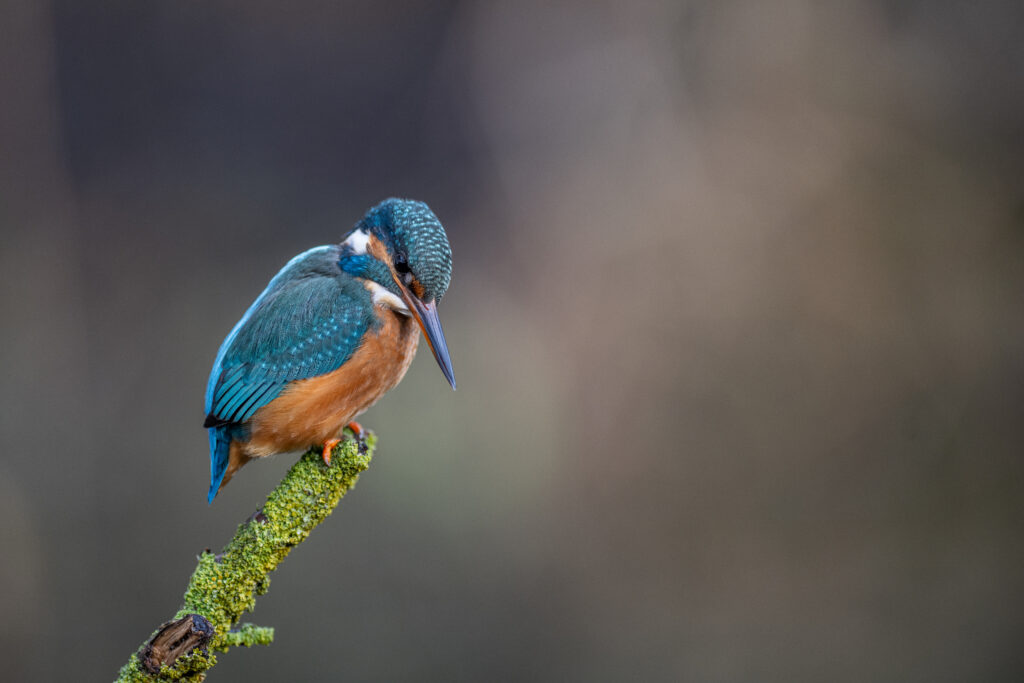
(332, 332)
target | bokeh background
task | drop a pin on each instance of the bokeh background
(736, 319)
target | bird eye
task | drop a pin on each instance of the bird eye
(402, 268)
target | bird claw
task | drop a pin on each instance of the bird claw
(359, 433)
(328, 447)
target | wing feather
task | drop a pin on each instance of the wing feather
(300, 327)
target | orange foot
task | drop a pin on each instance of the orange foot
(360, 433)
(328, 447)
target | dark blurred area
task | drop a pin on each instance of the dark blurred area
(736, 318)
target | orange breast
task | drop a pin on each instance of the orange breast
(310, 411)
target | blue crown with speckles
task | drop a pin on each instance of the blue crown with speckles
(409, 227)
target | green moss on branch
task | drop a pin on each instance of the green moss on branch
(248, 635)
(224, 586)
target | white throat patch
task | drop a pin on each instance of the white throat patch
(382, 297)
(357, 241)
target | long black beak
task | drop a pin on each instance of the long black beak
(426, 316)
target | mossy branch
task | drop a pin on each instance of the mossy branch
(225, 585)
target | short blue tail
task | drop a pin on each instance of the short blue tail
(220, 448)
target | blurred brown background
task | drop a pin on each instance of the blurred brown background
(736, 321)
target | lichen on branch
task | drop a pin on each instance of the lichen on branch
(224, 585)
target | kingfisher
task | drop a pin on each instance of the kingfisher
(332, 332)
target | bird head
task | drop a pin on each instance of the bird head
(400, 249)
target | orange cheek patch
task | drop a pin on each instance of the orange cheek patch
(376, 249)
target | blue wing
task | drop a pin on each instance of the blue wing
(307, 322)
